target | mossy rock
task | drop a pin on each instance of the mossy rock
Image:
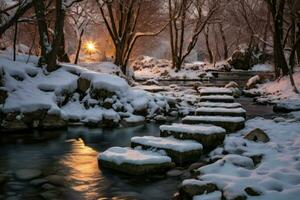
(134, 169)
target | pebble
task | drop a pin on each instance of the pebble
(56, 180)
(38, 181)
(27, 174)
(49, 195)
(48, 186)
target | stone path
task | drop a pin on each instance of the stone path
(180, 143)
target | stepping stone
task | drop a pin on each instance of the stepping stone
(134, 161)
(219, 105)
(209, 136)
(215, 91)
(217, 98)
(231, 124)
(234, 112)
(181, 151)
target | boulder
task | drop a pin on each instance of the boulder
(56, 180)
(257, 135)
(253, 81)
(101, 94)
(232, 84)
(33, 119)
(193, 187)
(3, 95)
(240, 60)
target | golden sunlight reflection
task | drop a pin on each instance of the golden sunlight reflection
(82, 168)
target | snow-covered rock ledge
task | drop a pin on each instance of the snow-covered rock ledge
(32, 99)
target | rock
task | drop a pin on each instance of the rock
(49, 195)
(3, 179)
(27, 174)
(256, 159)
(52, 121)
(192, 187)
(3, 95)
(101, 94)
(253, 81)
(240, 60)
(287, 106)
(14, 185)
(160, 118)
(209, 136)
(142, 163)
(186, 175)
(251, 93)
(39, 181)
(174, 172)
(48, 186)
(279, 119)
(83, 85)
(257, 135)
(56, 180)
(195, 166)
(33, 119)
(252, 192)
(232, 84)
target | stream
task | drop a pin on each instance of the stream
(72, 154)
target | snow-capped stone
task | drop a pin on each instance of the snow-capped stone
(231, 124)
(215, 91)
(217, 98)
(208, 135)
(181, 151)
(221, 111)
(216, 104)
(134, 161)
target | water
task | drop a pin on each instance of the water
(73, 154)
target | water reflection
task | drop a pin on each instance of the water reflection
(73, 155)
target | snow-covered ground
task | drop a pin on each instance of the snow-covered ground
(105, 97)
(277, 176)
(279, 92)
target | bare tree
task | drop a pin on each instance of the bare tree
(121, 18)
(186, 14)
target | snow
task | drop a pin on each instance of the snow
(278, 174)
(106, 81)
(134, 119)
(227, 97)
(193, 129)
(214, 118)
(217, 195)
(215, 90)
(217, 104)
(253, 80)
(120, 155)
(168, 143)
(220, 110)
(29, 89)
(263, 67)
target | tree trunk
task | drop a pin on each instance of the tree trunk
(51, 58)
(61, 52)
(15, 41)
(225, 46)
(210, 54)
(43, 30)
(78, 47)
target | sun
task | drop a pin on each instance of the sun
(91, 47)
